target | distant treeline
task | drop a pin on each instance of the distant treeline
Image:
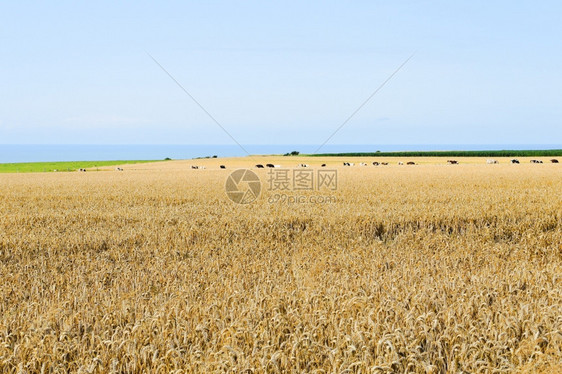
(503, 153)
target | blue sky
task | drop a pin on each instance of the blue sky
(281, 72)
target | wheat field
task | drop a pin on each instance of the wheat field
(430, 268)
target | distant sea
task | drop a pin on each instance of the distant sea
(76, 152)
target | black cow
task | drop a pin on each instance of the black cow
(515, 161)
(223, 167)
(270, 165)
(259, 166)
(323, 165)
(410, 163)
(554, 161)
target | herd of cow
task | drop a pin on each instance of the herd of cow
(516, 161)
(260, 166)
(376, 163)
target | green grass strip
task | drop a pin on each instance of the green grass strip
(31, 167)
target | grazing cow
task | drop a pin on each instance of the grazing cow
(303, 165)
(536, 162)
(269, 165)
(223, 167)
(194, 167)
(489, 162)
(554, 161)
(323, 165)
(276, 166)
(81, 169)
(363, 164)
(259, 166)
(118, 169)
(384, 163)
(452, 162)
(410, 163)
(514, 161)
(376, 163)
(400, 163)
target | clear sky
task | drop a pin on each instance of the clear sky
(281, 72)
